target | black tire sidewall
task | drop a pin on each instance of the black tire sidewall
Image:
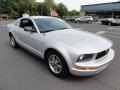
(89, 22)
(110, 23)
(78, 21)
(16, 44)
(65, 69)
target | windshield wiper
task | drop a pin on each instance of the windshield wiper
(47, 31)
(53, 30)
(62, 28)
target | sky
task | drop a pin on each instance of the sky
(75, 4)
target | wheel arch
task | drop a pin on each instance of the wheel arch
(62, 52)
(10, 34)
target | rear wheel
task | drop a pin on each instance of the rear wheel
(13, 42)
(57, 64)
(89, 21)
(109, 23)
(77, 21)
(102, 22)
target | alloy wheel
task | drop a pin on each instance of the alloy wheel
(12, 40)
(55, 64)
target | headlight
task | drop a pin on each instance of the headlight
(80, 58)
(85, 57)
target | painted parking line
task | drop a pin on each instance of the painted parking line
(108, 33)
(113, 28)
(79, 28)
(89, 30)
(3, 25)
(114, 36)
(116, 33)
(100, 32)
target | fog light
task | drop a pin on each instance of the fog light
(86, 68)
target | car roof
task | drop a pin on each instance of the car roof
(87, 16)
(38, 17)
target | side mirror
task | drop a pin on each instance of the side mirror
(29, 28)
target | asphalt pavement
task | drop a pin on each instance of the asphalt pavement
(20, 70)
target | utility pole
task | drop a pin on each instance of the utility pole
(112, 13)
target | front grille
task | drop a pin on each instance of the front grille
(88, 56)
(101, 54)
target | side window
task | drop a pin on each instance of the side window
(16, 23)
(82, 17)
(85, 17)
(27, 23)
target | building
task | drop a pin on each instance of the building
(4, 16)
(103, 10)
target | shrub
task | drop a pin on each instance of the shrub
(14, 14)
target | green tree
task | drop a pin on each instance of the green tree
(14, 14)
(61, 10)
(42, 9)
(28, 6)
(0, 8)
(5, 6)
(74, 13)
(15, 8)
(18, 7)
(49, 4)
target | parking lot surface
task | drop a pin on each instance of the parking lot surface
(20, 70)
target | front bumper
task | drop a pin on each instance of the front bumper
(115, 22)
(92, 67)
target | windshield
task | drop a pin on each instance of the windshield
(51, 24)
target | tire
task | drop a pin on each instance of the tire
(13, 42)
(77, 21)
(89, 21)
(102, 23)
(109, 24)
(58, 68)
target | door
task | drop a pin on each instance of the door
(86, 19)
(30, 37)
(82, 19)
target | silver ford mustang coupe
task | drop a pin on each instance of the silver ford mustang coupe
(64, 49)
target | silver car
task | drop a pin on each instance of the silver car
(87, 19)
(111, 21)
(64, 49)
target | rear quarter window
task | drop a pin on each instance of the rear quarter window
(86, 17)
(15, 23)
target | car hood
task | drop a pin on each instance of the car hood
(81, 41)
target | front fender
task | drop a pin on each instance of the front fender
(63, 52)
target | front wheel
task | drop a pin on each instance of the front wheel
(109, 24)
(89, 21)
(57, 64)
(78, 21)
(13, 42)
